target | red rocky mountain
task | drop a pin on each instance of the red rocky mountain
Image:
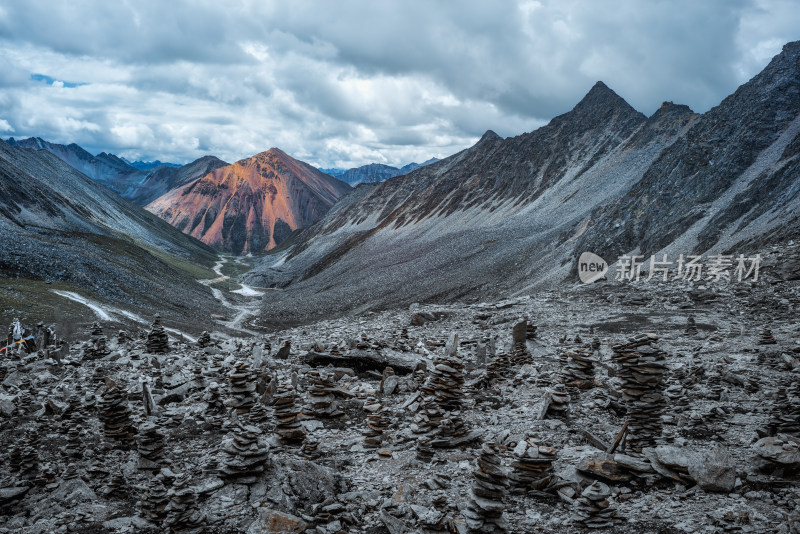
(252, 205)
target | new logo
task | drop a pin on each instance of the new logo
(591, 267)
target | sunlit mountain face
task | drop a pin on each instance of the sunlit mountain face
(252, 205)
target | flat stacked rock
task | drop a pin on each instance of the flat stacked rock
(151, 446)
(321, 399)
(559, 400)
(116, 416)
(155, 500)
(592, 508)
(25, 457)
(123, 337)
(182, 513)
(75, 445)
(641, 367)
(596, 344)
(96, 347)
(213, 414)
(204, 340)
(242, 383)
(377, 423)
(499, 367)
(424, 450)
(691, 326)
(285, 406)
(484, 510)
(530, 330)
(579, 370)
(115, 485)
(244, 455)
(157, 339)
(259, 413)
(532, 468)
(766, 337)
(785, 418)
(448, 382)
(310, 449)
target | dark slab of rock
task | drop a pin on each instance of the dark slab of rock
(362, 361)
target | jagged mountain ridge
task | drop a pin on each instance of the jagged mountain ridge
(509, 215)
(139, 185)
(60, 225)
(251, 205)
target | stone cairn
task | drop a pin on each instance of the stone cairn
(285, 406)
(214, 413)
(579, 370)
(157, 339)
(424, 450)
(116, 416)
(155, 500)
(182, 513)
(115, 485)
(24, 458)
(532, 468)
(443, 396)
(309, 450)
(641, 366)
(322, 403)
(530, 330)
(75, 446)
(785, 418)
(691, 326)
(123, 337)
(592, 508)
(242, 383)
(95, 348)
(519, 351)
(766, 337)
(484, 510)
(377, 423)
(559, 400)
(204, 340)
(245, 455)
(151, 446)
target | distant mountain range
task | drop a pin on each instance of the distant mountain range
(374, 172)
(147, 165)
(252, 205)
(508, 216)
(139, 185)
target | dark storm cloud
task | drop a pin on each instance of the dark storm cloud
(349, 82)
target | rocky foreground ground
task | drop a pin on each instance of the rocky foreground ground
(652, 408)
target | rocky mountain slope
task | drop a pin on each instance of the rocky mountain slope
(139, 184)
(151, 184)
(252, 205)
(376, 172)
(509, 215)
(61, 229)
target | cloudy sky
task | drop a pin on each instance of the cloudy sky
(344, 83)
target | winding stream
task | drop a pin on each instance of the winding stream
(105, 312)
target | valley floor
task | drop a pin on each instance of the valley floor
(71, 464)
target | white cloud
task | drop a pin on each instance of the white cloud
(5, 126)
(348, 83)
